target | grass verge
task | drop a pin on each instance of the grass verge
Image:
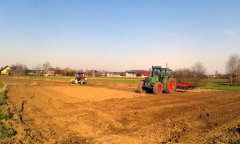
(5, 131)
(1, 85)
(114, 80)
(217, 84)
(237, 142)
(91, 79)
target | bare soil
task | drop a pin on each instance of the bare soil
(51, 112)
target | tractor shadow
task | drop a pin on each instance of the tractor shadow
(181, 91)
(145, 90)
(150, 91)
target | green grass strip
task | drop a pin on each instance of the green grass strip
(217, 84)
(1, 85)
(5, 131)
(237, 142)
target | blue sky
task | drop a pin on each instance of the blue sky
(119, 35)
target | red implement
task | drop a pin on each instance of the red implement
(185, 85)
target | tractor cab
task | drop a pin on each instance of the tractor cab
(159, 73)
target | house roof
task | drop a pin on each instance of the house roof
(145, 73)
(4, 68)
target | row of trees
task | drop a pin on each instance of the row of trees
(192, 75)
(233, 69)
(41, 69)
(21, 69)
(198, 71)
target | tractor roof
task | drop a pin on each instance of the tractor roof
(159, 67)
(80, 73)
(156, 67)
(167, 69)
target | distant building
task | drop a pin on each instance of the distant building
(6, 70)
(139, 73)
(31, 72)
(59, 72)
(130, 74)
(114, 75)
(39, 72)
(49, 72)
(145, 74)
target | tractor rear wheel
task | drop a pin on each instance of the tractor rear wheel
(171, 86)
(140, 87)
(157, 88)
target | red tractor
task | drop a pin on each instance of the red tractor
(80, 78)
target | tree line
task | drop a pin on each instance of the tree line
(192, 75)
(233, 69)
(42, 69)
(198, 72)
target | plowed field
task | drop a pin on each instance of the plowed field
(58, 113)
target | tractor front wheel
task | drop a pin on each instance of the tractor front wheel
(171, 86)
(76, 81)
(157, 88)
(140, 87)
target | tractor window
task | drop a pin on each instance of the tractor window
(156, 72)
(168, 72)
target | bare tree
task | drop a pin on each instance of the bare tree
(233, 68)
(193, 75)
(183, 75)
(37, 67)
(46, 66)
(19, 69)
(199, 72)
(69, 72)
(217, 74)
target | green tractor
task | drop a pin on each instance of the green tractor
(160, 81)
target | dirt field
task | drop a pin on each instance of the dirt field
(51, 112)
